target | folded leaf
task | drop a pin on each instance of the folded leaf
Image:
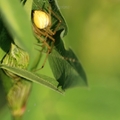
(66, 68)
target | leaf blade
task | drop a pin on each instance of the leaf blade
(41, 79)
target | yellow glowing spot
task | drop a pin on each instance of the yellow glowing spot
(41, 19)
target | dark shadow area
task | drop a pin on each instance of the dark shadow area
(2, 96)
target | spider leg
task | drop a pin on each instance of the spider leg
(58, 25)
(49, 47)
(48, 52)
(40, 33)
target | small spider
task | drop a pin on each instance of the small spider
(42, 27)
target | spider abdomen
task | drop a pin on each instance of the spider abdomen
(41, 19)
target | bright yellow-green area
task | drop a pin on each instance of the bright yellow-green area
(94, 35)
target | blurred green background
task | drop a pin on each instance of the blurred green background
(94, 27)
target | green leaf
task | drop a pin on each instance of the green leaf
(37, 78)
(64, 63)
(55, 8)
(67, 69)
(68, 73)
(17, 22)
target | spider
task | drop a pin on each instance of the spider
(42, 27)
